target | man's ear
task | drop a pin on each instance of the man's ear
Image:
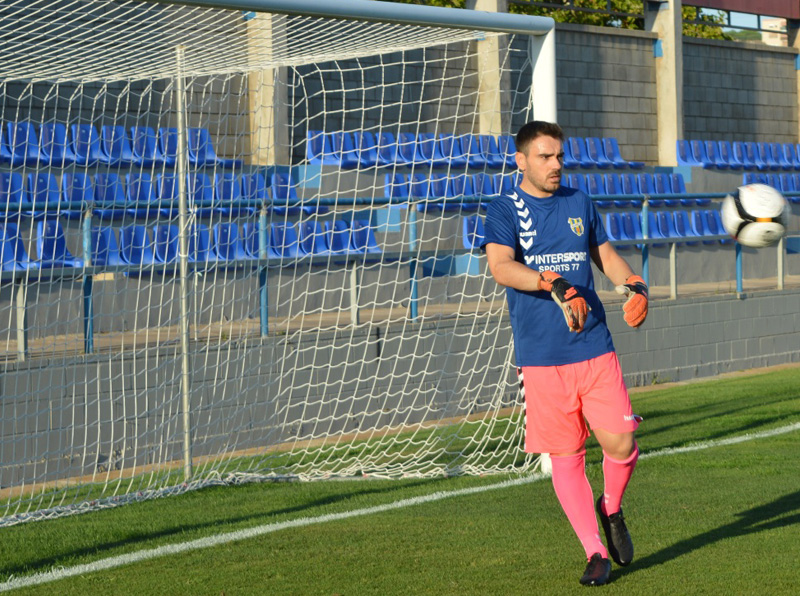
(520, 159)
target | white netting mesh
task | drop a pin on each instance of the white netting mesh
(366, 340)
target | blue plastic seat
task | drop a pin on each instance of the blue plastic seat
(595, 152)
(753, 156)
(319, 148)
(577, 147)
(787, 183)
(85, 143)
(13, 255)
(483, 185)
(661, 184)
(653, 231)
(508, 149)
(141, 196)
(284, 240)
(51, 245)
(790, 154)
(428, 151)
(419, 186)
(367, 148)
(629, 185)
(388, 151)
(228, 244)
(570, 163)
(774, 180)
(713, 221)
(200, 245)
(754, 178)
(42, 191)
(491, 151)
(282, 191)
(227, 190)
(200, 148)
(165, 243)
(611, 148)
(666, 225)
(11, 193)
(505, 183)
(437, 189)
(472, 147)
(396, 186)
(614, 230)
(340, 237)
(344, 148)
(363, 238)
(646, 184)
(742, 156)
(76, 188)
(145, 149)
(254, 187)
(700, 156)
(713, 153)
(596, 187)
(136, 245)
(116, 150)
(105, 248)
(168, 145)
(452, 150)
(110, 193)
(684, 153)
(201, 194)
(22, 144)
(631, 226)
(472, 231)
(578, 181)
(55, 148)
(313, 238)
(780, 157)
(725, 155)
(700, 225)
(407, 148)
(683, 227)
(166, 187)
(764, 152)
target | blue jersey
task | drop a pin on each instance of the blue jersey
(556, 234)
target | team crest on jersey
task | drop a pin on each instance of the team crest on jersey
(576, 225)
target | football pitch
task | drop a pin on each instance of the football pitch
(713, 508)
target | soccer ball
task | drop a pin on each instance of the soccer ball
(755, 215)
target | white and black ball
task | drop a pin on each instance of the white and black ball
(756, 215)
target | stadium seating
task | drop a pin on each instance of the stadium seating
(85, 142)
(55, 149)
(366, 148)
(19, 144)
(340, 233)
(51, 245)
(491, 151)
(76, 188)
(43, 193)
(145, 147)
(140, 196)
(613, 153)
(578, 149)
(136, 245)
(12, 250)
(683, 227)
(727, 157)
(11, 190)
(116, 148)
(472, 231)
(202, 152)
(313, 238)
(452, 149)
(165, 243)
(105, 248)
(227, 243)
(596, 153)
(508, 149)
(363, 238)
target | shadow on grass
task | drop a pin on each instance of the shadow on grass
(784, 511)
(220, 523)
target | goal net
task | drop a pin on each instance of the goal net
(243, 246)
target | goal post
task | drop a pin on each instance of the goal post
(240, 242)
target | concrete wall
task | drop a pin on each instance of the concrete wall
(85, 415)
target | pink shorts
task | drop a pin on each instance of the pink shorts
(559, 398)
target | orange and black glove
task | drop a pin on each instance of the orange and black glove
(635, 307)
(572, 304)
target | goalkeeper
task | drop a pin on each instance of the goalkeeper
(539, 241)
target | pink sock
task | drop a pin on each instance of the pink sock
(616, 475)
(575, 495)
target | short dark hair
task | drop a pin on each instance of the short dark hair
(537, 128)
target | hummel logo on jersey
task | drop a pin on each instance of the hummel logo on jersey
(576, 225)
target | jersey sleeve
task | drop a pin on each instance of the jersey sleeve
(598, 234)
(500, 226)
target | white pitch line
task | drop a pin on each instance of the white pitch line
(172, 549)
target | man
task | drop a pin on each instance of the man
(538, 242)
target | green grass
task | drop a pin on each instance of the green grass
(724, 520)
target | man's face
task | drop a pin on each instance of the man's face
(541, 166)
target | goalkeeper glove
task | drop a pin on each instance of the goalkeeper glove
(635, 307)
(572, 304)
